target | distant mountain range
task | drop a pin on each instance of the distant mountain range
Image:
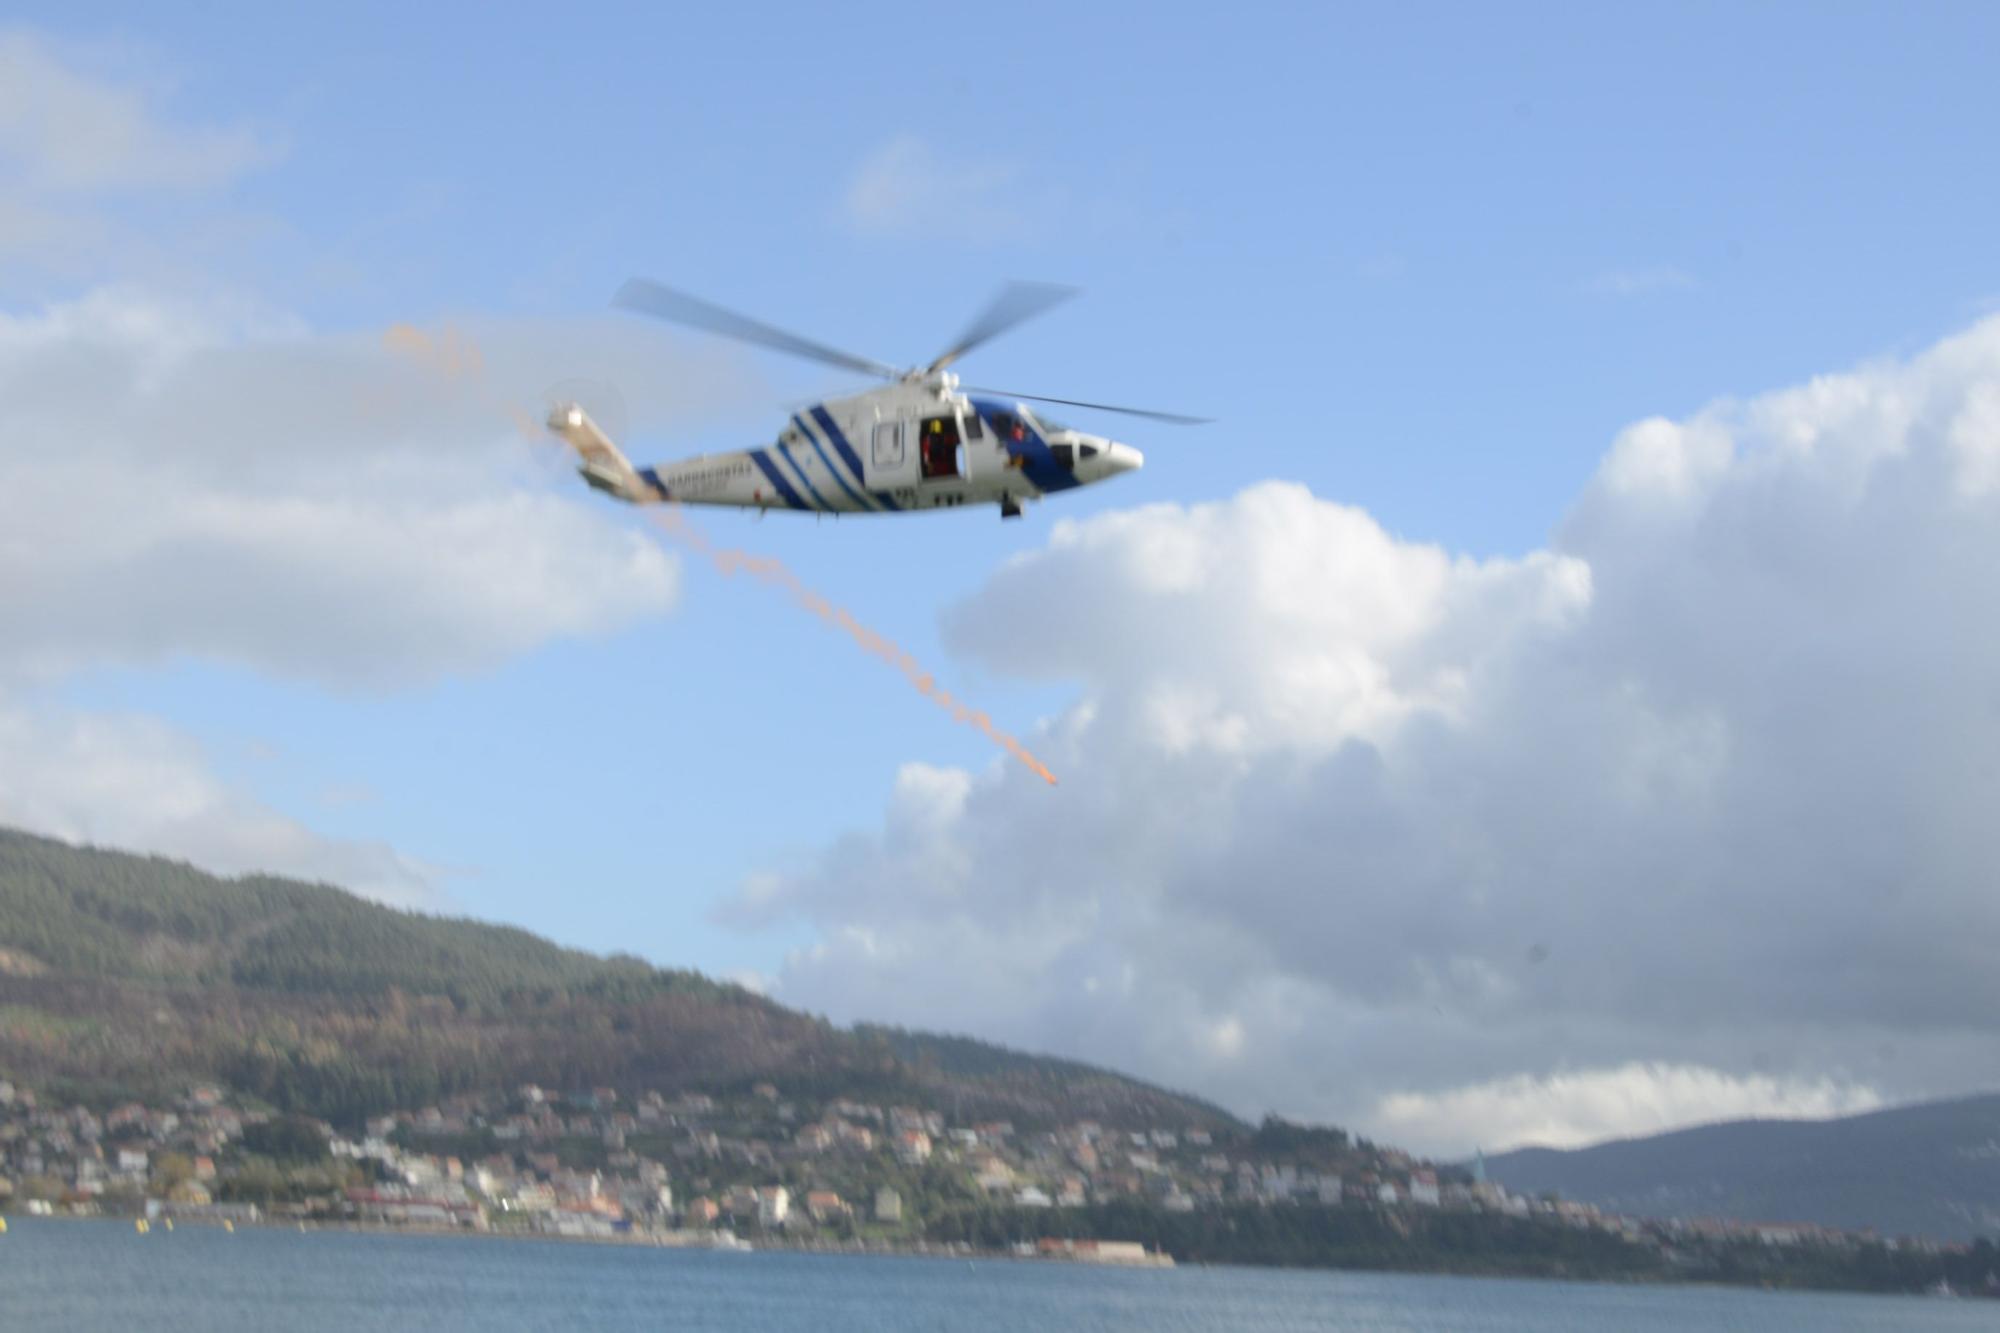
(131, 976)
(1931, 1169)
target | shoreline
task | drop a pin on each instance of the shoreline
(720, 1241)
(713, 1242)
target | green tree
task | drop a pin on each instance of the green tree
(171, 1169)
(287, 1139)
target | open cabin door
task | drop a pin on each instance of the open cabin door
(941, 448)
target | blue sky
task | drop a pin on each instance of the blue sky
(1427, 261)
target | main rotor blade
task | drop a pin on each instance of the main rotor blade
(1175, 417)
(1013, 304)
(650, 298)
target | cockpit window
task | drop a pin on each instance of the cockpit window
(1010, 427)
(1090, 451)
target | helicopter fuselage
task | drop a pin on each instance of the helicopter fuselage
(910, 446)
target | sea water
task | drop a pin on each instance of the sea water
(101, 1274)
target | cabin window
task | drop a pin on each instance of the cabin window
(939, 448)
(888, 448)
(974, 428)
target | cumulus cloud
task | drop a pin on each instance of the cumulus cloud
(209, 479)
(1567, 1110)
(220, 483)
(1358, 829)
(137, 784)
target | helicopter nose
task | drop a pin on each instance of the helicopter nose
(1099, 459)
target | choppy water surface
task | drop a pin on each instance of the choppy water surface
(56, 1274)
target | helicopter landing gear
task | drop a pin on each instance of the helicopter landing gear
(1010, 507)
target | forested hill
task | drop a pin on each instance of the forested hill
(1927, 1170)
(128, 976)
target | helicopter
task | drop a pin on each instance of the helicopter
(919, 442)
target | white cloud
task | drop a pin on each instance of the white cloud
(219, 483)
(907, 188)
(136, 784)
(208, 479)
(1705, 786)
(63, 129)
(1567, 1110)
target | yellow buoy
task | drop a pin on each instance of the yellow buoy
(170, 1224)
(139, 1225)
(228, 1225)
(3, 1226)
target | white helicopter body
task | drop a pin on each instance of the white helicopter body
(914, 444)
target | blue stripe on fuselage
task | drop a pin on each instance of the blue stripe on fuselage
(776, 478)
(847, 454)
(1038, 465)
(820, 449)
(784, 452)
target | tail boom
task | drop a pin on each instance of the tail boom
(601, 465)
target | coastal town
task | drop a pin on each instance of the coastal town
(759, 1168)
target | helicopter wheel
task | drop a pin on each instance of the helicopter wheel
(1010, 507)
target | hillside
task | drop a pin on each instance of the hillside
(1931, 1169)
(126, 975)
